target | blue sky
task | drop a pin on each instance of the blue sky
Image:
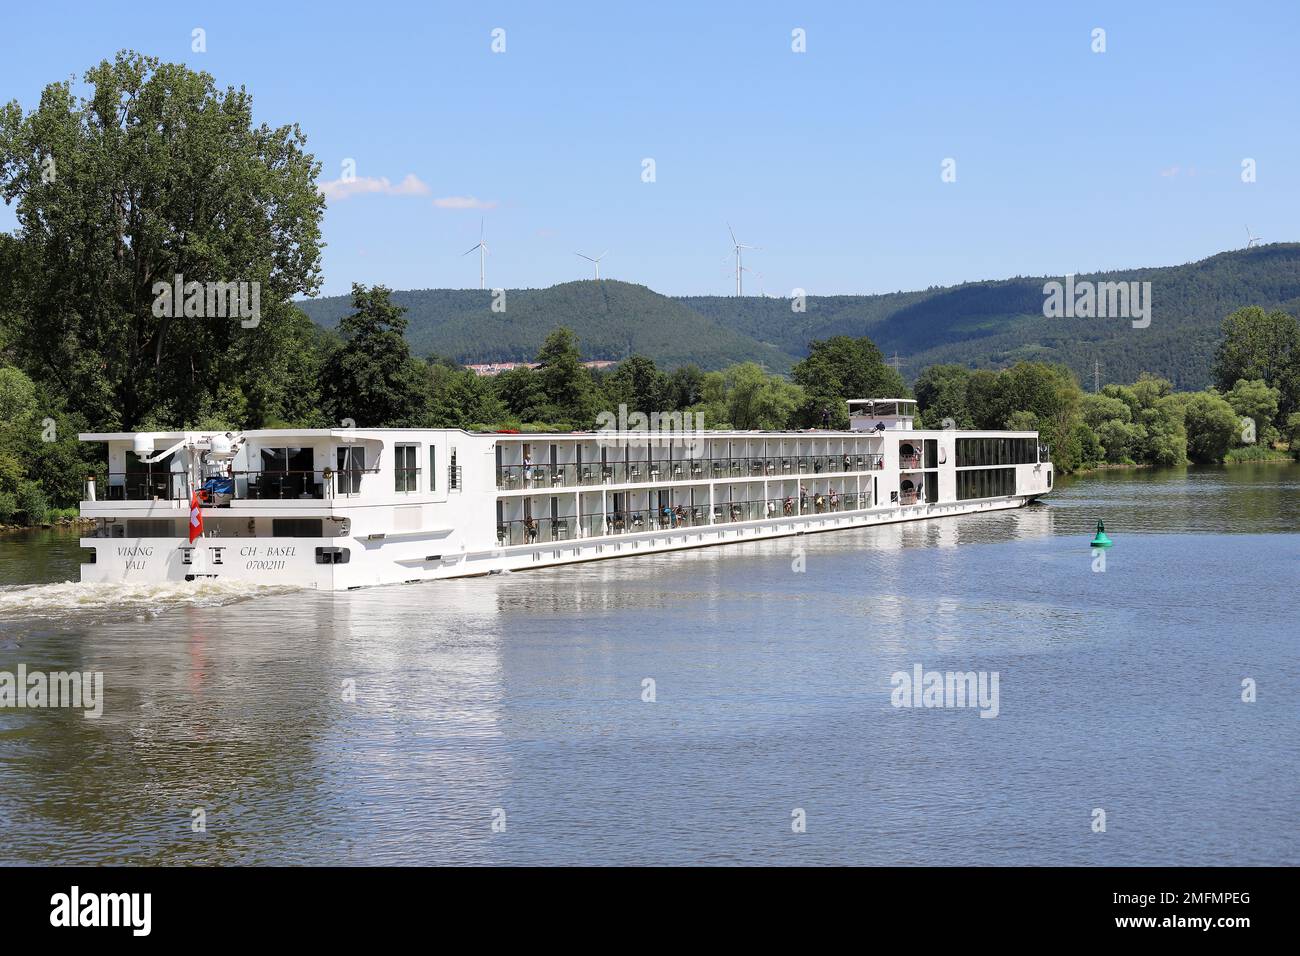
(1066, 160)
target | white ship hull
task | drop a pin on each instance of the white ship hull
(291, 561)
(364, 510)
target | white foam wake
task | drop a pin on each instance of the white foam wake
(125, 600)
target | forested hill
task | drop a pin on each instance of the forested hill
(978, 324)
(612, 320)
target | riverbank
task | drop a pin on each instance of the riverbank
(64, 521)
(1274, 456)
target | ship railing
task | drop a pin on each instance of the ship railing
(909, 461)
(291, 484)
(655, 471)
(136, 486)
(632, 521)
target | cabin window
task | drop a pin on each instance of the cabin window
(297, 528)
(453, 479)
(406, 474)
(433, 466)
(351, 465)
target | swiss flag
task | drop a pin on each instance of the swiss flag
(196, 518)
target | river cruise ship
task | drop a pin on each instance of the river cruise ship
(353, 507)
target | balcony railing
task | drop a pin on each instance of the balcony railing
(565, 475)
(909, 461)
(220, 491)
(632, 521)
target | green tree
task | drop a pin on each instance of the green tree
(1091, 452)
(941, 394)
(568, 386)
(1293, 434)
(638, 384)
(41, 460)
(757, 400)
(1258, 402)
(458, 398)
(1031, 395)
(156, 174)
(840, 368)
(685, 386)
(520, 391)
(372, 378)
(1263, 346)
(1211, 424)
(987, 400)
(1111, 422)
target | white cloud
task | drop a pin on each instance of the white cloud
(464, 202)
(341, 189)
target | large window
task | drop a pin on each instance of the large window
(406, 474)
(433, 466)
(352, 463)
(286, 473)
(144, 480)
(986, 483)
(996, 451)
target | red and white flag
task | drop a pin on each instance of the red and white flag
(196, 518)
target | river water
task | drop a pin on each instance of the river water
(505, 719)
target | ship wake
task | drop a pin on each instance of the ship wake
(72, 599)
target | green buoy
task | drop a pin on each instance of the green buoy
(1100, 540)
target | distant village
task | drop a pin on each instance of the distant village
(496, 368)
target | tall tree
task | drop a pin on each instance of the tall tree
(941, 394)
(156, 174)
(1265, 346)
(568, 386)
(372, 379)
(840, 368)
(639, 385)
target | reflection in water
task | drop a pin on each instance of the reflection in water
(523, 692)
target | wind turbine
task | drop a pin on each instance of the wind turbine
(595, 261)
(739, 268)
(1250, 239)
(482, 252)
